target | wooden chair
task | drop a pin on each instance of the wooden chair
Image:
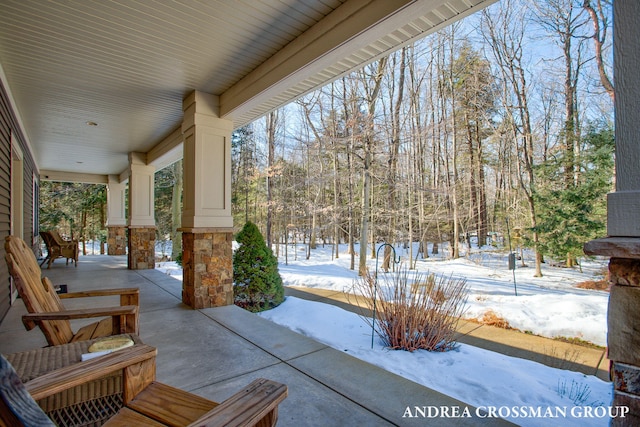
(45, 307)
(145, 401)
(57, 247)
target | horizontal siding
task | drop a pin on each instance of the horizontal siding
(8, 126)
(5, 150)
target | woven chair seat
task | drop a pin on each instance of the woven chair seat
(90, 404)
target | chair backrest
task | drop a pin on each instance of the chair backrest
(57, 238)
(48, 239)
(17, 407)
(37, 293)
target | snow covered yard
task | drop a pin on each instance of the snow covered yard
(549, 306)
(525, 392)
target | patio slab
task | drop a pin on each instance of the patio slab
(279, 341)
(214, 352)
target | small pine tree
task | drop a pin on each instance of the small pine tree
(257, 284)
(571, 216)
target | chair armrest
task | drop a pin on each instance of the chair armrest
(101, 293)
(29, 319)
(128, 296)
(247, 407)
(79, 373)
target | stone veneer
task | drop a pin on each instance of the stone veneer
(117, 240)
(207, 264)
(623, 321)
(142, 251)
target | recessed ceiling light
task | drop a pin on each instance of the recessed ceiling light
(90, 123)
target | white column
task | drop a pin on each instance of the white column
(141, 192)
(116, 199)
(207, 163)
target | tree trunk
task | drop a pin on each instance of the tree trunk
(271, 143)
(176, 211)
(369, 143)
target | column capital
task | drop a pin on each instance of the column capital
(615, 247)
(203, 110)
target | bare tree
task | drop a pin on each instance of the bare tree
(600, 20)
(272, 120)
(372, 90)
(505, 36)
(176, 210)
(394, 148)
(565, 22)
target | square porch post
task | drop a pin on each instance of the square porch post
(142, 226)
(623, 218)
(116, 219)
(207, 224)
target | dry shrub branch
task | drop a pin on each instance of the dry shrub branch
(414, 312)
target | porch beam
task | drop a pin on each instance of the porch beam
(167, 151)
(309, 52)
(85, 178)
(353, 35)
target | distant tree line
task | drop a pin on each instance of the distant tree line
(77, 211)
(503, 118)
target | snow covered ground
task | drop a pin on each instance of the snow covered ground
(550, 306)
(525, 392)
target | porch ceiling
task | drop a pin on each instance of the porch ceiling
(127, 64)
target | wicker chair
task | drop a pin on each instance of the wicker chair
(46, 309)
(85, 405)
(57, 247)
(143, 401)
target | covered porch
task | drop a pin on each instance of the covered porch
(93, 95)
(213, 352)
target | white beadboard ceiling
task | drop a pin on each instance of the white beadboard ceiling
(127, 64)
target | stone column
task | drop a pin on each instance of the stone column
(116, 219)
(142, 228)
(206, 216)
(207, 267)
(623, 219)
(623, 321)
(116, 240)
(142, 253)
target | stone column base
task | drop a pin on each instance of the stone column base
(142, 248)
(207, 267)
(116, 240)
(623, 321)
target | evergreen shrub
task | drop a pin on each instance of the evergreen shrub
(257, 285)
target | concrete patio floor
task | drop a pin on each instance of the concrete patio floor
(215, 352)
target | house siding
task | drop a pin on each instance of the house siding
(8, 127)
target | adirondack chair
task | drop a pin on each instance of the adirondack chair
(145, 401)
(47, 311)
(57, 247)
